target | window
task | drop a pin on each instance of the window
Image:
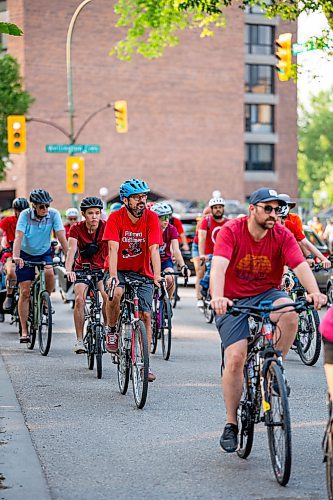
(259, 78)
(259, 157)
(259, 39)
(259, 118)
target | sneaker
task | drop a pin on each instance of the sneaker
(111, 343)
(276, 390)
(228, 440)
(200, 303)
(151, 376)
(8, 303)
(79, 347)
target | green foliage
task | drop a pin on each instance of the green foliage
(13, 101)
(10, 29)
(315, 159)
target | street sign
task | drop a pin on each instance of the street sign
(72, 148)
(298, 48)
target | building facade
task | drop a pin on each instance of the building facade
(210, 114)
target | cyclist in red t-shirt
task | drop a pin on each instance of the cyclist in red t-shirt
(8, 227)
(170, 246)
(72, 215)
(249, 256)
(82, 236)
(177, 223)
(134, 236)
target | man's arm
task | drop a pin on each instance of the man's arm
(305, 275)
(202, 235)
(186, 248)
(156, 262)
(17, 248)
(179, 258)
(113, 258)
(71, 250)
(61, 236)
(311, 249)
(217, 279)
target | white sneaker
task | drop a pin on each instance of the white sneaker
(79, 347)
(200, 303)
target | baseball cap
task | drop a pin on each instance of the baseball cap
(287, 199)
(265, 194)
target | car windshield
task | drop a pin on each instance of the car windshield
(313, 238)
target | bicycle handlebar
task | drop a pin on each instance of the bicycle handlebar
(175, 273)
(298, 306)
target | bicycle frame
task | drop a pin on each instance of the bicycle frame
(37, 288)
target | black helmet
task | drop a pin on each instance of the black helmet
(20, 204)
(40, 196)
(91, 202)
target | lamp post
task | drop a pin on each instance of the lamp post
(103, 192)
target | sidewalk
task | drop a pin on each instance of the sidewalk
(21, 475)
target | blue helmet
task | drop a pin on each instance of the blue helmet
(133, 186)
(115, 206)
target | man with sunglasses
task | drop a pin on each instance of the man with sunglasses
(33, 243)
(249, 256)
(134, 235)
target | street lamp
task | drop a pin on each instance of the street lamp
(103, 192)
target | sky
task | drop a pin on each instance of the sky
(314, 63)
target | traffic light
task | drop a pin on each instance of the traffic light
(120, 109)
(75, 174)
(16, 134)
(284, 55)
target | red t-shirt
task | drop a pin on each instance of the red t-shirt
(169, 234)
(8, 224)
(294, 224)
(79, 231)
(255, 266)
(134, 239)
(212, 227)
(67, 229)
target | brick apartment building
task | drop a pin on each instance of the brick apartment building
(210, 114)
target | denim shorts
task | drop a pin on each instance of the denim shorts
(145, 291)
(235, 328)
(166, 263)
(28, 273)
(195, 250)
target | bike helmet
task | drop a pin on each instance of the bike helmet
(216, 201)
(40, 196)
(72, 212)
(91, 202)
(115, 206)
(284, 210)
(161, 209)
(286, 198)
(20, 204)
(133, 186)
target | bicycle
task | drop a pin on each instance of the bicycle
(264, 397)
(327, 446)
(40, 310)
(94, 338)
(132, 356)
(307, 343)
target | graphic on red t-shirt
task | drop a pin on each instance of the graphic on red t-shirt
(8, 224)
(255, 266)
(212, 227)
(79, 231)
(134, 239)
(169, 234)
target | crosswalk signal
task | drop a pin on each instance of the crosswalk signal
(16, 134)
(120, 109)
(284, 55)
(75, 174)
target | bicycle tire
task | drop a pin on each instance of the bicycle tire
(175, 297)
(89, 345)
(123, 369)
(278, 417)
(139, 364)
(31, 329)
(45, 326)
(208, 312)
(154, 331)
(166, 333)
(245, 419)
(309, 337)
(98, 334)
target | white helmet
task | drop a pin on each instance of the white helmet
(161, 209)
(216, 201)
(284, 210)
(72, 212)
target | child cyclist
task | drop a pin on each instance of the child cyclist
(170, 247)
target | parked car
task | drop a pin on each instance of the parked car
(322, 276)
(189, 222)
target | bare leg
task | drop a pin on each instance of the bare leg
(105, 300)
(233, 377)
(113, 307)
(146, 318)
(286, 329)
(11, 276)
(80, 299)
(23, 306)
(49, 279)
(199, 271)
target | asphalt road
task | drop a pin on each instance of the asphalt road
(93, 443)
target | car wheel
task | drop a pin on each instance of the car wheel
(330, 294)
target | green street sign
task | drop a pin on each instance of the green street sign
(72, 148)
(298, 48)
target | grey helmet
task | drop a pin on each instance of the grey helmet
(91, 202)
(161, 209)
(40, 196)
(20, 204)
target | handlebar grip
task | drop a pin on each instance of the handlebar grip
(112, 288)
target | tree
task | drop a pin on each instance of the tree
(10, 29)
(152, 25)
(315, 159)
(13, 101)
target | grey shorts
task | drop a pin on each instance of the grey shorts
(235, 328)
(145, 290)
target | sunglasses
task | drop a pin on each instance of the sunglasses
(164, 217)
(43, 205)
(268, 209)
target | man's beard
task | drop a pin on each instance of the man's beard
(138, 211)
(264, 225)
(218, 217)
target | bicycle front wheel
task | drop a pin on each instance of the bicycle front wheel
(90, 348)
(166, 328)
(175, 297)
(140, 364)
(208, 312)
(277, 419)
(309, 341)
(99, 348)
(122, 367)
(245, 419)
(45, 324)
(154, 331)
